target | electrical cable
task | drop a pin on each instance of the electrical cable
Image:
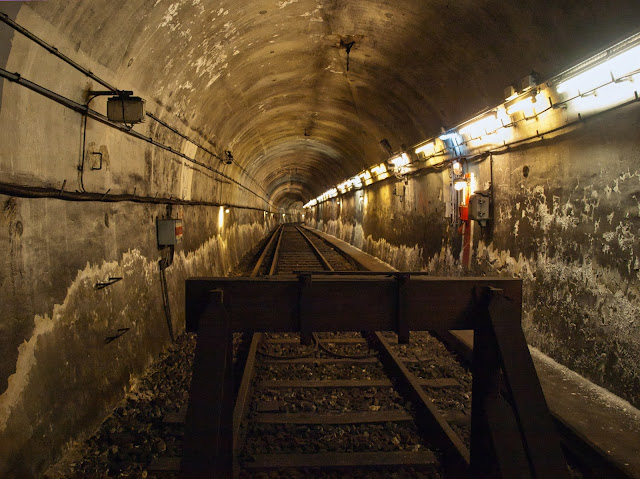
(82, 109)
(54, 51)
(23, 191)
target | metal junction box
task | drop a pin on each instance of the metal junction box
(169, 232)
(125, 109)
(479, 206)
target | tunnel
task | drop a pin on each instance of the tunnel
(468, 138)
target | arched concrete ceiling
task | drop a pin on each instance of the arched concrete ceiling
(268, 79)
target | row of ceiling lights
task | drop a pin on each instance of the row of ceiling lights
(604, 81)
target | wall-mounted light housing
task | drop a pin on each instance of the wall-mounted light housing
(484, 126)
(400, 160)
(122, 106)
(379, 170)
(426, 150)
(459, 184)
(615, 69)
(125, 109)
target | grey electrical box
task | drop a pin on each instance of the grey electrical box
(479, 206)
(125, 109)
(169, 232)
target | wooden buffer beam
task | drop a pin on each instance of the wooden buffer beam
(512, 432)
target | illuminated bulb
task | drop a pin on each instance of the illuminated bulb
(450, 136)
(483, 126)
(457, 168)
(459, 184)
(221, 217)
(615, 68)
(525, 106)
(625, 63)
(401, 160)
(365, 175)
(226, 211)
(379, 170)
(427, 150)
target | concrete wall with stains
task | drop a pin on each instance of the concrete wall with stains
(569, 229)
(60, 374)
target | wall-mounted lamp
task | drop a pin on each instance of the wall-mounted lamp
(379, 170)
(427, 150)
(400, 160)
(459, 184)
(122, 106)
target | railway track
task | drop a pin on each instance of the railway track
(343, 405)
(347, 404)
(291, 249)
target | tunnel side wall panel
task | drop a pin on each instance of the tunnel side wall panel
(569, 229)
(61, 373)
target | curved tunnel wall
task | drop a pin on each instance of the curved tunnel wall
(268, 80)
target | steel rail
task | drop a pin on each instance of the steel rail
(274, 261)
(265, 251)
(242, 399)
(430, 420)
(315, 249)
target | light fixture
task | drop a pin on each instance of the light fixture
(525, 106)
(459, 184)
(221, 217)
(379, 170)
(529, 104)
(484, 126)
(400, 160)
(451, 136)
(122, 106)
(615, 69)
(457, 168)
(427, 150)
(227, 211)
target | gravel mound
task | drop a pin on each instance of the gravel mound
(135, 434)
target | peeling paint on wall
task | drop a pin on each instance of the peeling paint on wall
(67, 364)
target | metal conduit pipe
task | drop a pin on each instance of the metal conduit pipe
(82, 109)
(54, 51)
(23, 191)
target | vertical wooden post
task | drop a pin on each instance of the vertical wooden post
(486, 383)
(537, 430)
(497, 450)
(208, 441)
